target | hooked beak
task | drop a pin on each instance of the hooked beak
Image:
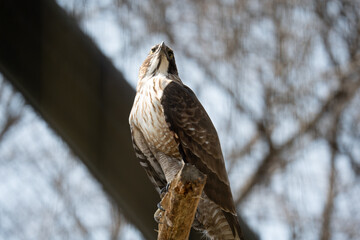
(162, 50)
(162, 46)
(160, 60)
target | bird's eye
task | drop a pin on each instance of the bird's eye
(170, 54)
(153, 49)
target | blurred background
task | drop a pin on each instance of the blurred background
(281, 82)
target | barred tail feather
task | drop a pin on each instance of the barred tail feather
(234, 224)
(216, 223)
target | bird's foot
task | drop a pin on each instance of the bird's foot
(160, 207)
(158, 215)
(164, 190)
(159, 212)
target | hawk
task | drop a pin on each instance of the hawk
(170, 127)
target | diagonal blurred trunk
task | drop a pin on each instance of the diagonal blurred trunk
(77, 90)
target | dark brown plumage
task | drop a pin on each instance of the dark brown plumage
(170, 127)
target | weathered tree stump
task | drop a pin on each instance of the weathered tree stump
(180, 203)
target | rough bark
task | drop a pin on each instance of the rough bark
(179, 204)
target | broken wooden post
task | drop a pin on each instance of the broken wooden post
(180, 203)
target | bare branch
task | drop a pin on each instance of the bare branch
(329, 205)
(335, 102)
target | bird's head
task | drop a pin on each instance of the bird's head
(160, 60)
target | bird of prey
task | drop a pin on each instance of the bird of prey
(170, 127)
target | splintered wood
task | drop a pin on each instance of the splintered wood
(179, 204)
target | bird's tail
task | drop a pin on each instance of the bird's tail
(216, 223)
(234, 225)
